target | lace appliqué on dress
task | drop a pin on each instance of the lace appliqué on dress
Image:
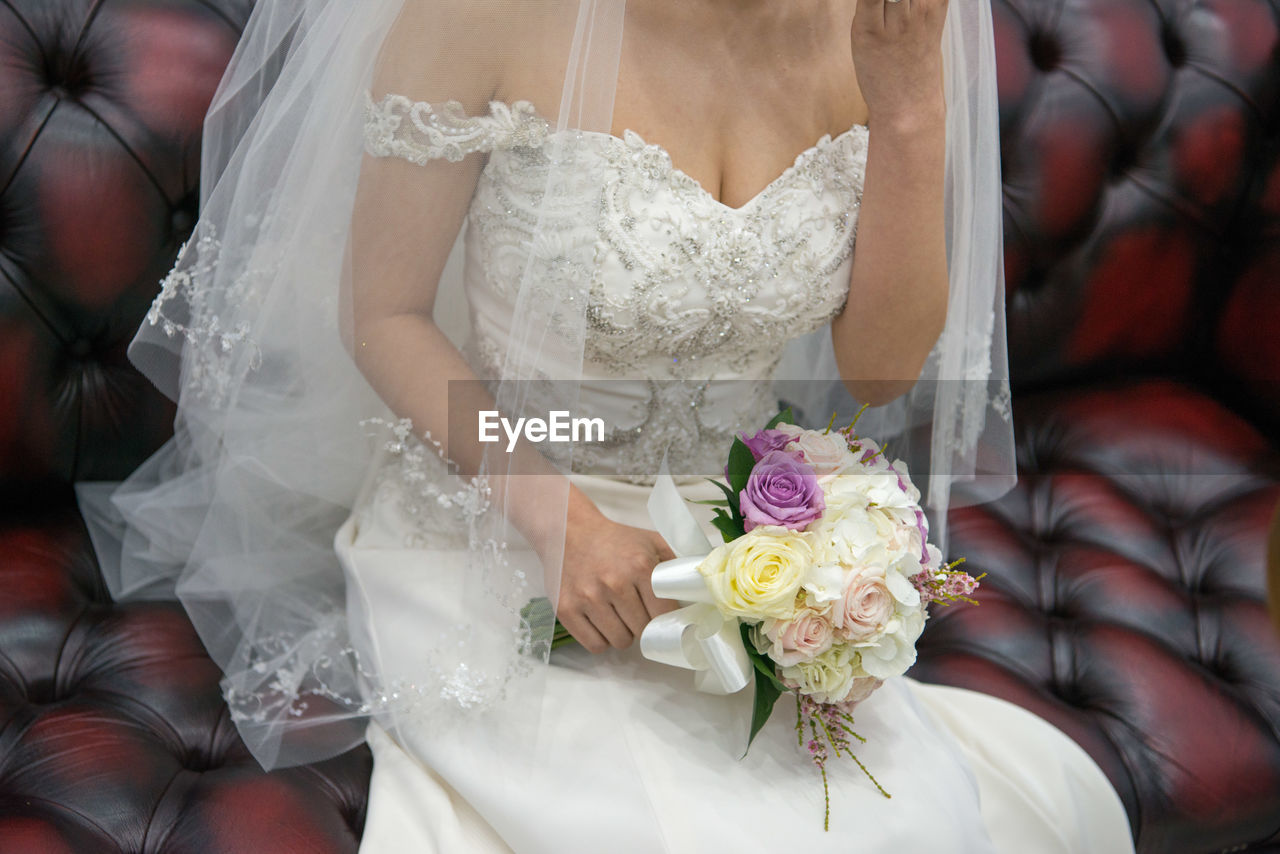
(396, 126)
(721, 289)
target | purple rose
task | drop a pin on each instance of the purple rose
(781, 490)
(765, 441)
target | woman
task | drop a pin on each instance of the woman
(647, 233)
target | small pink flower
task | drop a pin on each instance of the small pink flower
(866, 606)
(801, 639)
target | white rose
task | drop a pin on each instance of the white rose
(759, 574)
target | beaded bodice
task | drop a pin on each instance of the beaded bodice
(676, 285)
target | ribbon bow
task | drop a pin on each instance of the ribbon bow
(697, 636)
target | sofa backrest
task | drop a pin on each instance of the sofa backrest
(1141, 187)
(101, 107)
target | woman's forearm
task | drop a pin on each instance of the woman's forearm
(898, 286)
(421, 376)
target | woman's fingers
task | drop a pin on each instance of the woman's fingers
(607, 622)
(897, 14)
(611, 604)
(654, 606)
(584, 633)
(632, 610)
(660, 545)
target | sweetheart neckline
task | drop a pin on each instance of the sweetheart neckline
(631, 138)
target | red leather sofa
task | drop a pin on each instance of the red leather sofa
(1125, 591)
(113, 734)
(1125, 596)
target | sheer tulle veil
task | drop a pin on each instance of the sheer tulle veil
(280, 433)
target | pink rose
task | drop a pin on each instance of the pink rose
(793, 641)
(828, 453)
(866, 606)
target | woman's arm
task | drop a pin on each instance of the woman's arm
(898, 286)
(406, 219)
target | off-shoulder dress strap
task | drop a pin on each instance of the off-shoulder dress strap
(417, 131)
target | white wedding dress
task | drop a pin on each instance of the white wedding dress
(614, 753)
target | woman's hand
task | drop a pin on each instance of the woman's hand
(606, 597)
(897, 54)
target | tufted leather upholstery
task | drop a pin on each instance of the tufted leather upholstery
(1125, 603)
(1124, 595)
(113, 735)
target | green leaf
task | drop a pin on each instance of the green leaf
(762, 663)
(730, 497)
(741, 461)
(735, 510)
(767, 695)
(729, 528)
(768, 688)
(786, 416)
(540, 617)
(545, 631)
(709, 502)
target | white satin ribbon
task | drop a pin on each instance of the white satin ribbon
(697, 636)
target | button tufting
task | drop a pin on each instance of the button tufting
(181, 221)
(1046, 52)
(1174, 47)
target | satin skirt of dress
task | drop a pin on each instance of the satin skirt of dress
(623, 755)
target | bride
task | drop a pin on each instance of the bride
(419, 212)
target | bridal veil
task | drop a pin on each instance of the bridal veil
(256, 336)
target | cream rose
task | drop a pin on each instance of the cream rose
(759, 574)
(806, 636)
(828, 678)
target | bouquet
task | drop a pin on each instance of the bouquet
(824, 578)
